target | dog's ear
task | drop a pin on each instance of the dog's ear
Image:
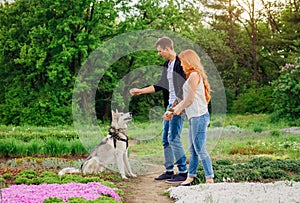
(117, 111)
(112, 112)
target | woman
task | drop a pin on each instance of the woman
(196, 96)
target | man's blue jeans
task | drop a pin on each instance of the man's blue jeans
(172, 144)
(197, 142)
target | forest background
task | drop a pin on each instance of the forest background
(255, 45)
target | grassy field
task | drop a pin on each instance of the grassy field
(238, 138)
(234, 137)
(242, 147)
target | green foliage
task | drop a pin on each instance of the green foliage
(71, 178)
(258, 129)
(50, 146)
(12, 147)
(43, 45)
(289, 20)
(255, 100)
(46, 177)
(7, 175)
(53, 200)
(54, 147)
(27, 134)
(216, 124)
(257, 169)
(2, 180)
(275, 133)
(249, 121)
(102, 199)
(25, 177)
(287, 92)
(32, 177)
(239, 140)
(27, 174)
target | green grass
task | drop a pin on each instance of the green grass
(242, 137)
(285, 146)
(144, 130)
(260, 169)
(228, 136)
(252, 121)
(239, 139)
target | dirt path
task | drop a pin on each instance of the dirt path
(144, 189)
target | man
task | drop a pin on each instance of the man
(170, 82)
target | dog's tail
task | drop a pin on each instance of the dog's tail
(68, 170)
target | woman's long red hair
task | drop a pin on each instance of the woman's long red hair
(193, 64)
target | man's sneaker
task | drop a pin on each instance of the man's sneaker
(165, 176)
(180, 177)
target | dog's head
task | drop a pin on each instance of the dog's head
(119, 119)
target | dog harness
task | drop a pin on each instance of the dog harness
(114, 133)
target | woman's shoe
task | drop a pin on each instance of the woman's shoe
(210, 180)
(188, 184)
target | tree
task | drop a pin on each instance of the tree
(43, 45)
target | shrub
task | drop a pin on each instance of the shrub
(275, 133)
(2, 180)
(216, 124)
(54, 147)
(28, 134)
(286, 92)
(258, 169)
(27, 174)
(255, 100)
(7, 175)
(8, 147)
(258, 129)
(53, 200)
(76, 147)
(223, 162)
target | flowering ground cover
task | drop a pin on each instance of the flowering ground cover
(34, 180)
(38, 193)
(280, 191)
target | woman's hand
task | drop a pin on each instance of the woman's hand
(177, 111)
(168, 115)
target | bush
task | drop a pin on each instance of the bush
(258, 129)
(216, 124)
(255, 100)
(286, 92)
(53, 200)
(257, 169)
(275, 133)
(53, 147)
(27, 135)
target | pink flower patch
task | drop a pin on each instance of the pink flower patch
(38, 193)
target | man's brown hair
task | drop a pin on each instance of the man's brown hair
(164, 42)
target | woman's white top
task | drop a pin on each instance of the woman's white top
(199, 106)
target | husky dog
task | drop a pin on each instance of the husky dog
(114, 147)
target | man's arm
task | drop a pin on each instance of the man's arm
(145, 90)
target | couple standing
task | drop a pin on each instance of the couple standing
(185, 87)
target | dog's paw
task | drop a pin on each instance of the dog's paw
(133, 175)
(68, 170)
(124, 177)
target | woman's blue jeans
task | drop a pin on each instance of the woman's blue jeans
(197, 142)
(172, 144)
